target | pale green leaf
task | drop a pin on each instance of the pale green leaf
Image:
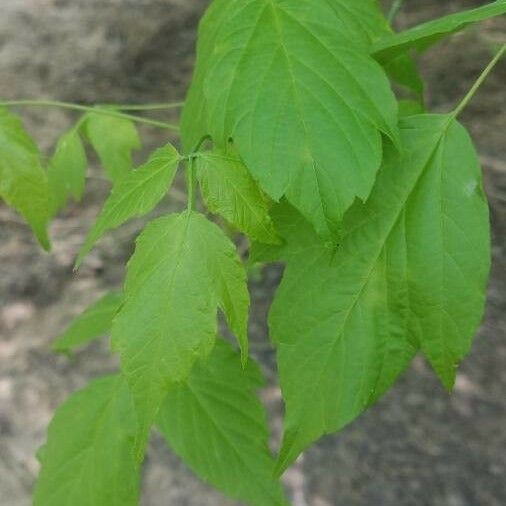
(66, 171)
(88, 458)
(114, 140)
(94, 322)
(23, 182)
(183, 269)
(423, 36)
(229, 190)
(294, 86)
(410, 272)
(135, 195)
(216, 424)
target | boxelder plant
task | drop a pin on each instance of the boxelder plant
(295, 137)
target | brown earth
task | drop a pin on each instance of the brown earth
(417, 447)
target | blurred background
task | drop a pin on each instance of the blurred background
(418, 447)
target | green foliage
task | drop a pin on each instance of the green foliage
(427, 216)
(183, 269)
(216, 424)
(23, 182)
(261, 89)
(426, 35)
(295, 137)
(114, 139)
(95, 321)
(135, 195)
(66, 172)
(228, 189)
(88, 458)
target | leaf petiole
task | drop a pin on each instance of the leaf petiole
(476, 86)
(96, 109)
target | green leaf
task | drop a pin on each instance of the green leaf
(88, 458)
(135, 195)
(23, 182)
(402, 69)
(410, 272)
(228, 189)
(113, 139)
(183, 269)
(216, 424)
(423, 36)
(294, 86)
(67, 171)
(93, 323)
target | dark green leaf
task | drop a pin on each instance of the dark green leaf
(294, 86)
(23, 182)
(216, 424)
(410, 272)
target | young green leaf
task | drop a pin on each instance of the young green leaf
(216, 424)
(183, 269)
(423, 36)
(93, 323)
(295, 87)
(135, 195)
(66, 171)
(23, 182)
(228, 189)
(113, 139)
(88, 458)
(410, 272)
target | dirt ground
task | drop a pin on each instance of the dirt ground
(417, 447)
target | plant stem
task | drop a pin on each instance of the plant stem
(146, 107)
(394, 10)
(476, 86)
(84, 108)
(191, 183)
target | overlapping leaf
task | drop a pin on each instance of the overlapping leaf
(294, 86)
(410, 272)
(216, 424)
(114, 139)
(135, 195)
(67, 171)
(23, 182)
(423, 36)
(94, 322)
(229, 190)
(183, 269)
(88, 458)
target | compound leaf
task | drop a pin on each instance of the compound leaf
(184, 268)
(410, 273)
(229, 190)
(88, 458)
(216, 424)
(23, 182)
(278, 73)
(113, 139)
(135, 195)
(94, 322)
(423, 36)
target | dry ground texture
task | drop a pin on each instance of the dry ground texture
(417, 447)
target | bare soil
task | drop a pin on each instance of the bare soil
(418, 447)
